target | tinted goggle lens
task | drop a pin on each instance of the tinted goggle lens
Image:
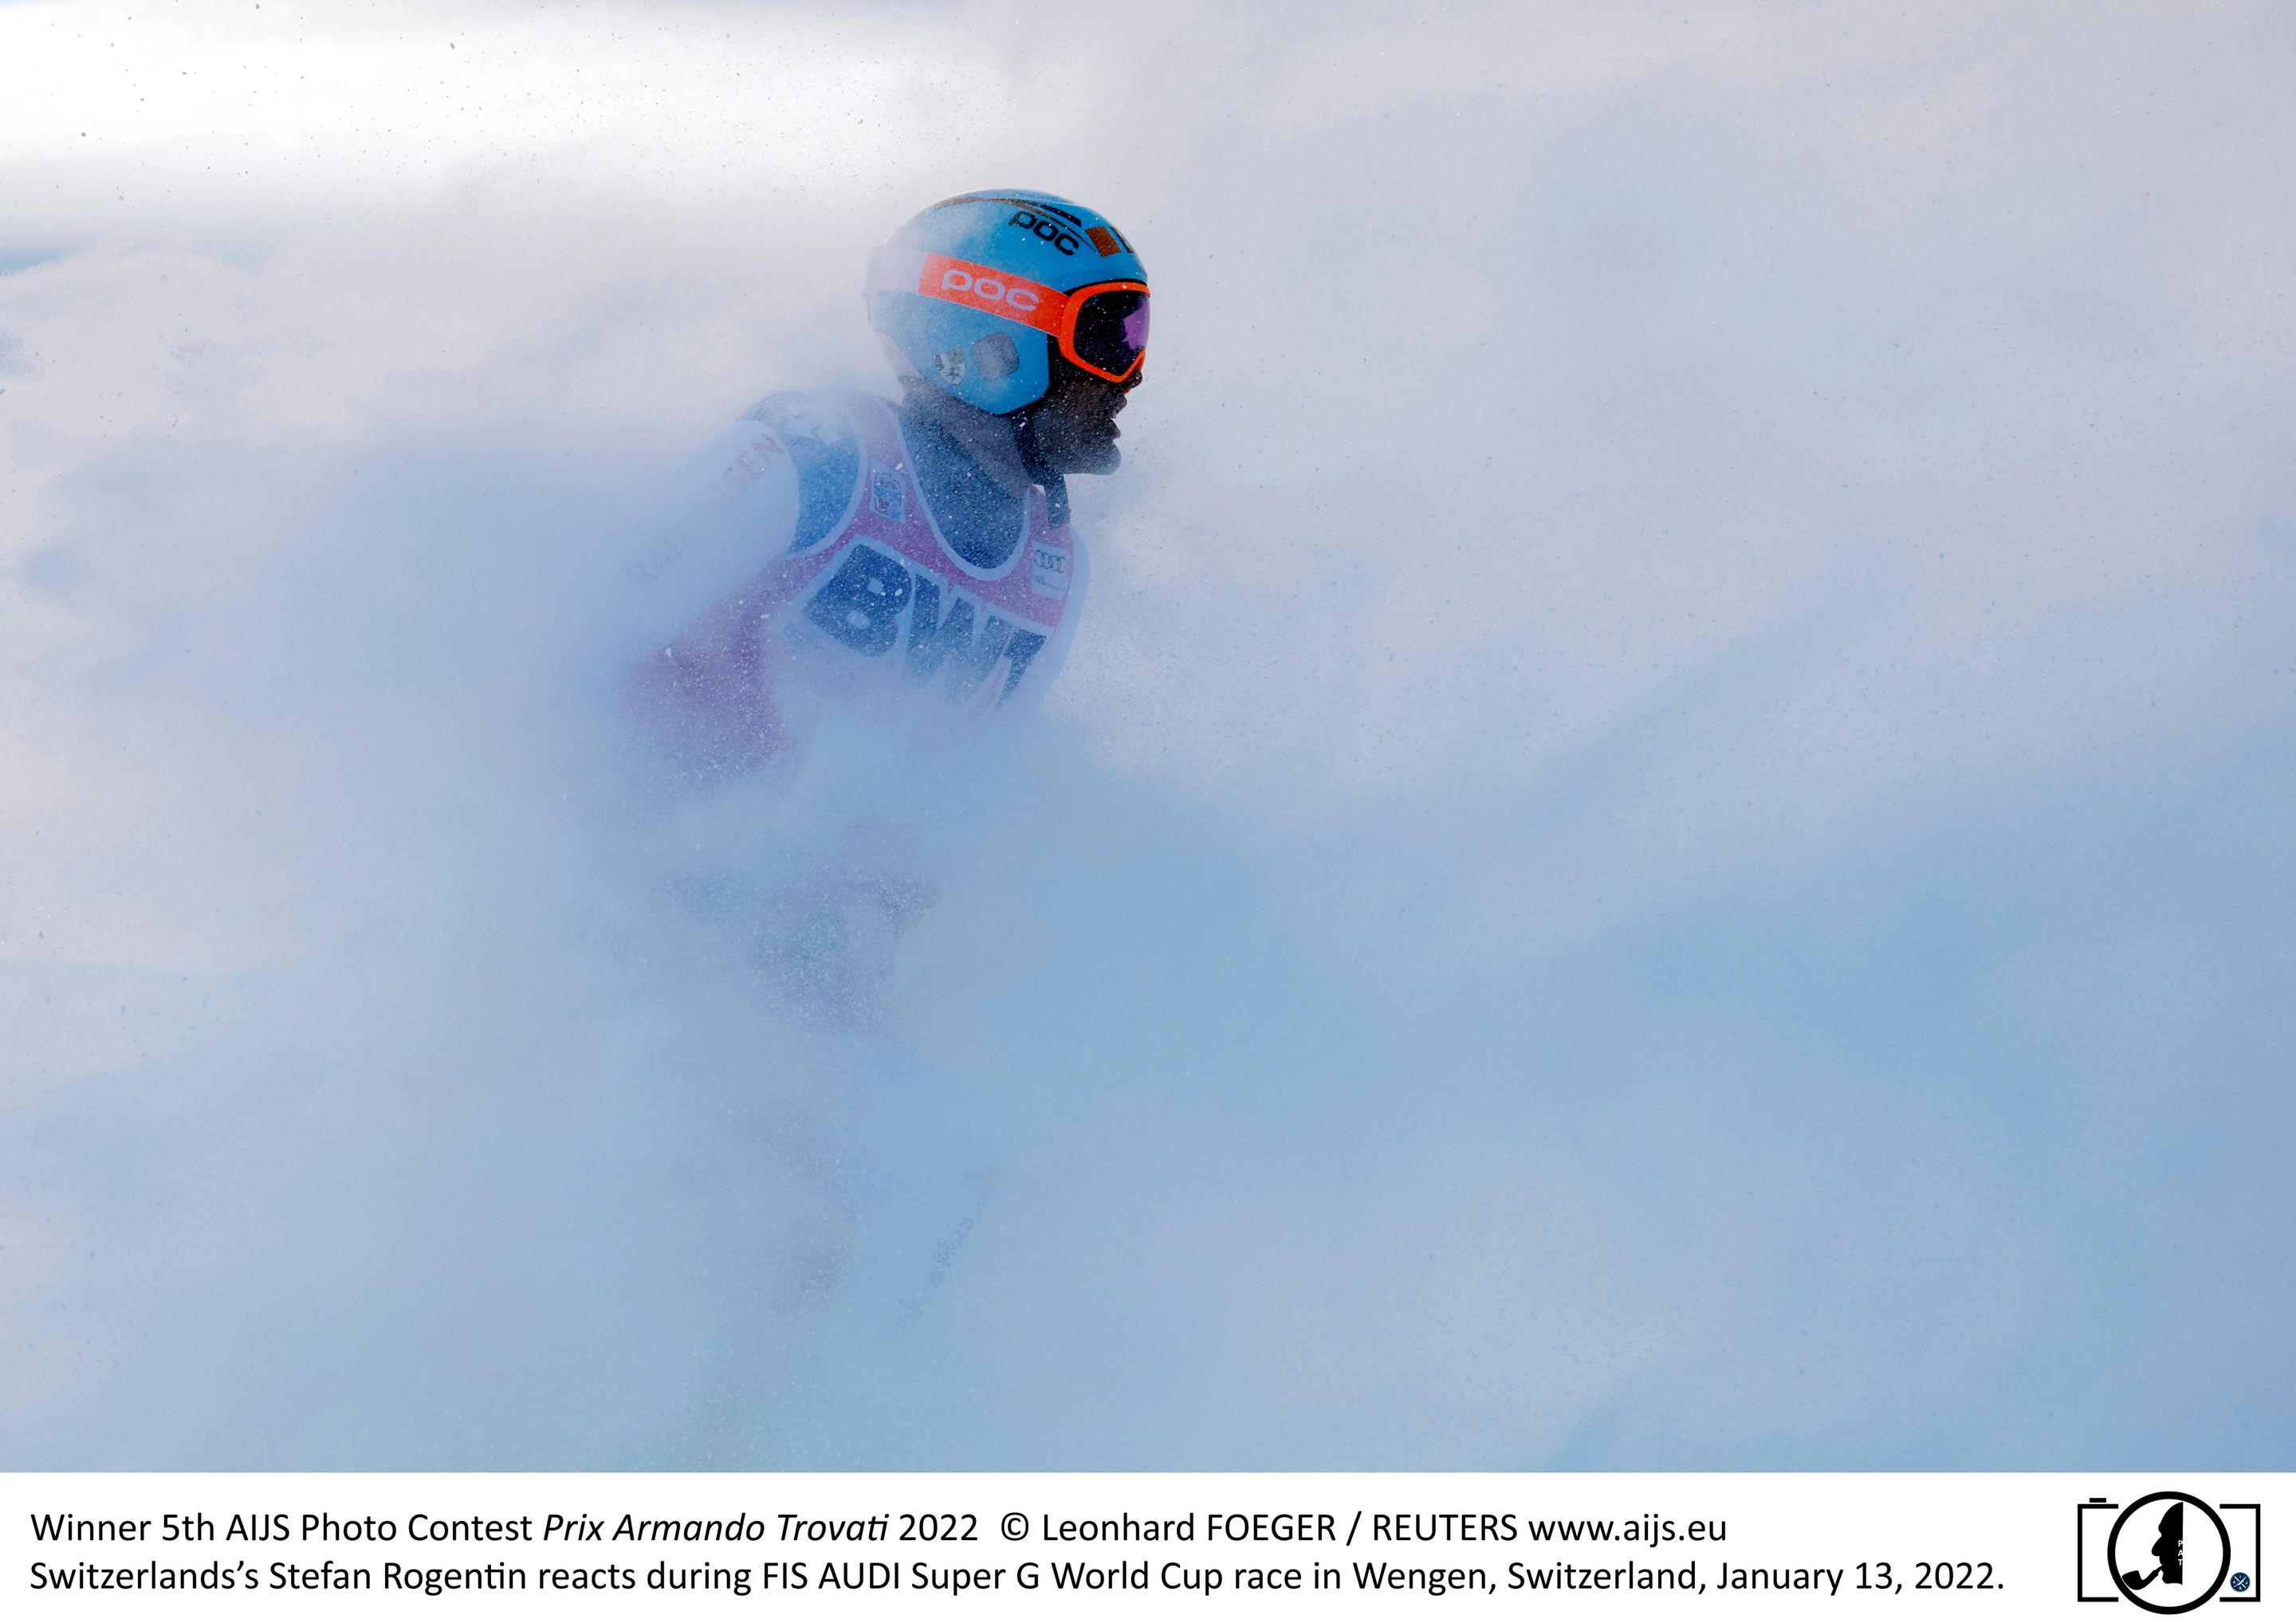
(1112, 329)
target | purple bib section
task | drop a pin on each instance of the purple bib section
(881, 597)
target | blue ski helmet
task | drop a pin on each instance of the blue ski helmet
(976, 293)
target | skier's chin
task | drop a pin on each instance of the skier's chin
(1103, 457)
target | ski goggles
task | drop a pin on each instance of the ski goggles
(1102, 328)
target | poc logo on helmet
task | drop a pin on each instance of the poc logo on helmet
(1049, 231)
(989, 289)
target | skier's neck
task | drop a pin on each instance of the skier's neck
(986, 440)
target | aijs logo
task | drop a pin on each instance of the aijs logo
(2168, 1552)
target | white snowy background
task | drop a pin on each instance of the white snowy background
(1667, 843)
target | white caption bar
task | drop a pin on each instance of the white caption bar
(1119, 1546)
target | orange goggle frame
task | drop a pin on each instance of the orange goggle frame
(1032, 304)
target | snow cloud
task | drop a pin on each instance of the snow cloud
(1665, 844)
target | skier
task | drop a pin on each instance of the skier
(888, 578)
(905, 561)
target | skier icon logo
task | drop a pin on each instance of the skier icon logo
(2168, 1551)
